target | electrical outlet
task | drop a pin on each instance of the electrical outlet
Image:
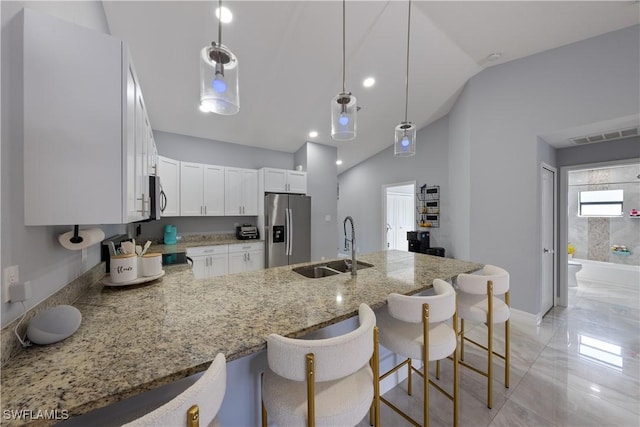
(20, 291)
(11, 275)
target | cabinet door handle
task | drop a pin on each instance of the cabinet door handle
(248, 256)
(205, 209)
(245, 257)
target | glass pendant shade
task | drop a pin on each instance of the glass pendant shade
(219, 80)
(405, 140)
(343, 117)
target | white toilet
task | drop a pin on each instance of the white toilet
(574, 267)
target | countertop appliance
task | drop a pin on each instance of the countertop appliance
(247, 232)
(420, 241)
(287, 229)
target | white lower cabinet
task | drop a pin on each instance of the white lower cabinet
(246, 257)
(209, 261)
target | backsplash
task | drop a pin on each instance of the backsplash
(594, 237)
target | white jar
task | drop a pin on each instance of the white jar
(123, 268)
(151, 264)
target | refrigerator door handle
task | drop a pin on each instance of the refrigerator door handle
(286, 226)
(291, 231)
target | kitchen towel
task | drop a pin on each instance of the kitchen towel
(90, 237)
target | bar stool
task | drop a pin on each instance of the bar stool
(325, 382)
(478, 302)
(415, 327)
(199, 403)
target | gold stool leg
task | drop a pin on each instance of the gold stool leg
(507, 358)
(425, 363)
(409, 377)
(264, 410)
(490, 343)
(461, 339)
(456, 378)
(437, 369)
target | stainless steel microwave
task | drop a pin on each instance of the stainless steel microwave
(158, 198)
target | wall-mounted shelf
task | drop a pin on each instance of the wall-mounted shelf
(428, 206)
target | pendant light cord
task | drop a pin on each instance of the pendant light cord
(344, 2)
(406, 98)
(219, 22)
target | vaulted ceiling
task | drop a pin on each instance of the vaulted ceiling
(290, 60)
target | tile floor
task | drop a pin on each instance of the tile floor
(580, 367)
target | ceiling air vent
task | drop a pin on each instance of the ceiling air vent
(607, 136)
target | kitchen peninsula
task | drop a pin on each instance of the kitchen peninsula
(135, 339)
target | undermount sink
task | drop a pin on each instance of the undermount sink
(326, 269)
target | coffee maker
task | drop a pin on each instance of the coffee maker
(418, 241)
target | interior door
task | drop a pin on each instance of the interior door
(399, 219)
(547, 284)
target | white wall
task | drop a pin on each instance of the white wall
(361, 187)
(41, 259)
(493, 154)
(322, 181)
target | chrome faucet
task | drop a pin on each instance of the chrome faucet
(353, 244)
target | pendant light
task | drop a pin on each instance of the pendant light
(405, 135)
(219, 76)
(343, 105)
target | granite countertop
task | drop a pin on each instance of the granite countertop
(137, 338)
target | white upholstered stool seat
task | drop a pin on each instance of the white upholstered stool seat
(475, 307)
(478, 301)
(406, 338)
(197, 405)
(341, 402)
(411, 321)
(325, 382)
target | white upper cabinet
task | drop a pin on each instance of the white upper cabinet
(85, 127)
(241, 192)
(201, 189)
(191, 184)
(169, 172)
(284, 181)
(213, 190)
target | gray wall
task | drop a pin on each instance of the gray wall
(493, 152)
(361, 187)
(199, 150)
(36, 250)
(621, 149)
(322, 180)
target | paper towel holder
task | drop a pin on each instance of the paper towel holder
(80, 239)
(76, 237)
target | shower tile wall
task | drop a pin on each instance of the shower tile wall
(593, 237)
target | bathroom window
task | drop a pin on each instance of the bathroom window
(601, 203)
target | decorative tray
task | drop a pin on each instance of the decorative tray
(144, 279)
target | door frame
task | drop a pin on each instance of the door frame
(383, 225)
(554, 200)
(563, 259)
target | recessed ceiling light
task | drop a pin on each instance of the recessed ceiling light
(313, 134)
(338, 162)
(368, 82)
(226, 15)
(204, 109)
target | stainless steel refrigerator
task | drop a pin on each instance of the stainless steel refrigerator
(287, 229)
